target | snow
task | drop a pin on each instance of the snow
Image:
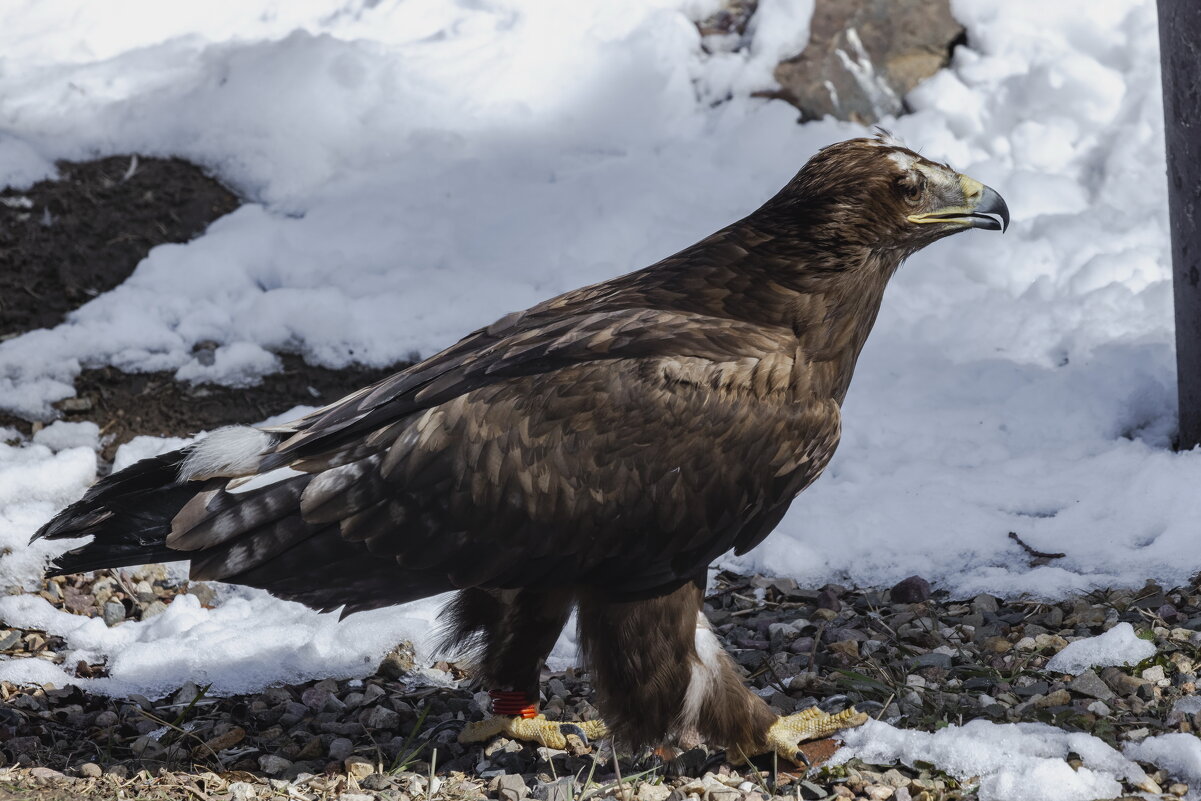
(1021, 761)
(1118, 646)
(1177, 753)
(416, 169)
(61, 435)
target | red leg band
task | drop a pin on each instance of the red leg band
(508, 702)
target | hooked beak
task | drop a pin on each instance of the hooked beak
(983, 208)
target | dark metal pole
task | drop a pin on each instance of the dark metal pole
(1180, 56)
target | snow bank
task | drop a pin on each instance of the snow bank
(243, 644)
(1013, 761)
(1118, 646)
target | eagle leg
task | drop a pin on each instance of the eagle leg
(514, 630)
(658, 669)
(788, 732)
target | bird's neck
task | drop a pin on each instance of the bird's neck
(830, 309)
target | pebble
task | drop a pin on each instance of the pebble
(912, 590)
(274, 765)
(242, 791)
(1155, 674)
(1090, 684)
(90, 770)
(358, 767)
(114, 613)
(511, 787)
(380, 717)
(340, 748)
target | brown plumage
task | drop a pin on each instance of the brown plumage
(599, 449)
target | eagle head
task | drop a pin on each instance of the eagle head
(879, 193)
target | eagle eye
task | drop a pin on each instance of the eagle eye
(912, 186)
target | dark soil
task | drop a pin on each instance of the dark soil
(125, 405)
(65, 241)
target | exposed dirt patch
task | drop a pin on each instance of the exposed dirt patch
(125, 405)
(64, 241)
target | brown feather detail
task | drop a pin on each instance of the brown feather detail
(212, 518)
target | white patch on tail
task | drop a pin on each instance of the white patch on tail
(260, 480)
(706, 672)
(231, 451)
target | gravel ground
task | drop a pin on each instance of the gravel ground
(914, 660)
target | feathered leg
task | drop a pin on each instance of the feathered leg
(514, 631)
(657, 667)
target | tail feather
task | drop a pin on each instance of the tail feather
(128, 515)
(210, 504)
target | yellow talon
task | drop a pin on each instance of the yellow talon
(550, 733)
(788, 732)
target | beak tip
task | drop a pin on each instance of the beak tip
(991, 202)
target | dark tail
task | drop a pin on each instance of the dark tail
(129, 513)
(256, 538)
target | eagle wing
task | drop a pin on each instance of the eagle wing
(627, 446)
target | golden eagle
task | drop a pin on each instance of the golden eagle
(597, 450)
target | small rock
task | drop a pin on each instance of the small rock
(984, 603)
(932, 659)
(1055, 698)
(358, 767)
(203, 592)
(340, 748)
(1154, 674)
(849, 649)
(828, 599)
(274, 765)
(153, 609)
(561, 790)
(1090, 684)
(723, 793)
(1100, 709)
(912, 590)
(380, 717)
(511, 787)
(90, 770)
(242, 791)
(114, 613)
(812, 792)
(44, 774)
(1050, 641)
(997, 645)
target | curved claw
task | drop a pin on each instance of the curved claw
(567, 729)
